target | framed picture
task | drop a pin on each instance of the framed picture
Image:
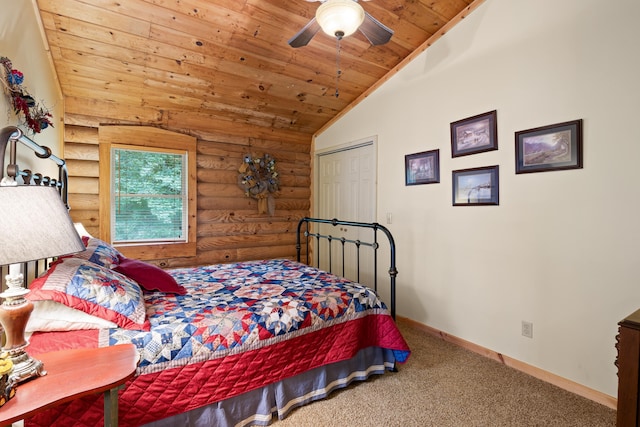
(549, 148)
(476, 186)
(474, 134)
(422, 168)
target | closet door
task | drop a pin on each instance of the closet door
(347, 191)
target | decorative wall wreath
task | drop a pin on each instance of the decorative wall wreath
(259, 179)
(36, 117)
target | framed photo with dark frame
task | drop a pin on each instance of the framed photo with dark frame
(475, 134)
(549, 148)
(476, 186)
(422, 168)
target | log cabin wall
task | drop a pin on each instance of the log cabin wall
(229, 227)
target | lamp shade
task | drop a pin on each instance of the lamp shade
(34, 224)
(340, 18)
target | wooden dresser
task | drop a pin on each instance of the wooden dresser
(628, 363)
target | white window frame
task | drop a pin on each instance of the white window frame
(184, 195)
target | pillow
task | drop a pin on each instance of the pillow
(98, 252)
(93, 289)
(82, 232)
(149, 276)
(50, 316)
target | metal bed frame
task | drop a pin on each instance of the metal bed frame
(309, 236)
(10, 136)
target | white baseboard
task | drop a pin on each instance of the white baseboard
(558, 381)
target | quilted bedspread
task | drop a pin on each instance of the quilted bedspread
(239, 327)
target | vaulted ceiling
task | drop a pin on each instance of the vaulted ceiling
(230, 58)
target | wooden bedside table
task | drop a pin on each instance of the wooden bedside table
(72, 374)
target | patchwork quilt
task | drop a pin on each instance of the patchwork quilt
(239, 327)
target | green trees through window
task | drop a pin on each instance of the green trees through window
(149, 195)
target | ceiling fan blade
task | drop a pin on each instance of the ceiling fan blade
(305, 35)
(375, 31)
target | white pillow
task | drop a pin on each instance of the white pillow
(81, 230)
(50, 316)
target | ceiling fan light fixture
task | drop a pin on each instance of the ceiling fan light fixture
(340, 18)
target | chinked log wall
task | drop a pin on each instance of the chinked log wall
(229, 227)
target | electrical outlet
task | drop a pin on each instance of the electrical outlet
(527, 329)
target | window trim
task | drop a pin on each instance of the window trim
(149, 138)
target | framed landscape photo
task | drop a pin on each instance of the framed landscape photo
(422, 168)
(475, 134)
(476, 186)
(549, 148)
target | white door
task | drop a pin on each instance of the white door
(347, 191)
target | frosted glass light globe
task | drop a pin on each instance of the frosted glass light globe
(340, 18)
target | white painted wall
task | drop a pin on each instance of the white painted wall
(21, 41)
(562, 250)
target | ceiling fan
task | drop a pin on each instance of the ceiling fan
(341, 18)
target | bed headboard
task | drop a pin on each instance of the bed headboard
(10, 136)
(304, 230)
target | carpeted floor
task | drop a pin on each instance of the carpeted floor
(444, 385)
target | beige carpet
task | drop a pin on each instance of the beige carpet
(445, 385)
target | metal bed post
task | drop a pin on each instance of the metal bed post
(11, 135)
(393, 271)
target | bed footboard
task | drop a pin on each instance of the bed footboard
(305, 231)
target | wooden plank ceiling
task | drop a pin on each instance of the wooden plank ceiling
(228, 59)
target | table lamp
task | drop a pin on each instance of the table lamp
(34, 225)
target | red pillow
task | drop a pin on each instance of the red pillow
(149, 276)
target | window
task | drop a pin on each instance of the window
(147, 191)
(148, 195)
